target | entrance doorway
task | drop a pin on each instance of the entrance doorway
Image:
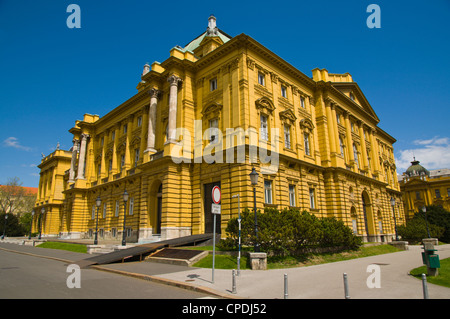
(368, 216)
(157, 229)
(209, 218)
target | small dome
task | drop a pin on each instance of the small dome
(416, 169)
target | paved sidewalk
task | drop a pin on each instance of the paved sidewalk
(313, 282)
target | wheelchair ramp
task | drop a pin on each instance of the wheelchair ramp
(142, 250)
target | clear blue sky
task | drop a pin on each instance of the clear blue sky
(51, 75)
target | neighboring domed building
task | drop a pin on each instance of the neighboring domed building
(416, 169)
(421, 187)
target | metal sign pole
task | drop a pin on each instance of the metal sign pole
(214, 246)
(239, 221)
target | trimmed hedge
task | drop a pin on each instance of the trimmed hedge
(289, 232)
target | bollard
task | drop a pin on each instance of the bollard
(233, 284)
(285, 286)
(425, 287)
(347, 296)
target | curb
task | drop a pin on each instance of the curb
(169, 282)
(165, 281)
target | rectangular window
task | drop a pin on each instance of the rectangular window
(117, 209)
(448, 192)
(341, 145)
(139, 121)
(338, 118)
(268, 192)
(104, 210)
(113, 232)
(417, 195)
(355, 154)
(438, 193)
(213, 84)
(261, 78)
(113, 135)
(214, 130)
(125, 129)
(93, 212)
(283, 91)
(264, 130)
(131, 208)
(302, 101)
(99, 169)
(102, 141)
(307, 148)
(312, 199)
(110, 165)
(122, 160)
(136, 157)
(287, 136)
(291, 195)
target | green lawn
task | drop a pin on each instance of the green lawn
(78, 248)
(442, 279)
(221, 262)
(230, 262)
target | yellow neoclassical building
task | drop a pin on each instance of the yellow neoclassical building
(421, 187)
(206, 116)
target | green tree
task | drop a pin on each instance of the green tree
(13, 226)
(415, 230)
(437, 215)
(289, 231)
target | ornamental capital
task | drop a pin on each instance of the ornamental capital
(174, 80)
(154, 93)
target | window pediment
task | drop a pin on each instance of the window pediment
(307, 124)
(288, 116)
(212, 108)
(265, 103)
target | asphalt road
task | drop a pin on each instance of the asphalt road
(23, 276)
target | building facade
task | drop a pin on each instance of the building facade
(421, 187)
(206, 116)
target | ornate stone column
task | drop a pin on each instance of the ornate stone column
(173, 99)
(82, 157)
(74, 160)
(154, 95)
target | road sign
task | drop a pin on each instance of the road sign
(215, 209)
(216, 194)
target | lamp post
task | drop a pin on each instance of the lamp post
(395, 220)
(40, 222)
(239, 222)
(31, 223)
(424, 210)
(98, 202)
(125, 200)
(4, 228)
(254, 180)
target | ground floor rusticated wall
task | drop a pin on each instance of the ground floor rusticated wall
(169, 200)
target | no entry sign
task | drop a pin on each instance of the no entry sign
(216, 195)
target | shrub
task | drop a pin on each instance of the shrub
(288, 232)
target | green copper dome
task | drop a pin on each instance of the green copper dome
(416, 169)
